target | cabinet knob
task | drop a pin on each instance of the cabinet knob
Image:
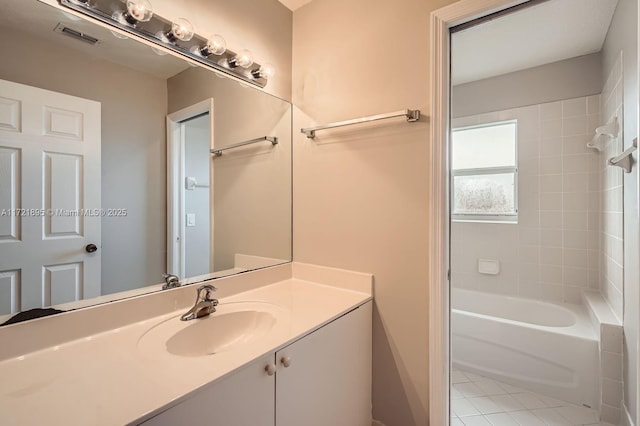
(286, 361)
(270, 369)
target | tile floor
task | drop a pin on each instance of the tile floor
(480, 401)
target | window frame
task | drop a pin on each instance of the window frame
(479, 171)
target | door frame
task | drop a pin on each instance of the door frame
(176, 186)
(441, 21)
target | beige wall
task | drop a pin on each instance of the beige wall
(133, 149)
(560, 80)
(263, 27)
(252, 184)
(361, 193)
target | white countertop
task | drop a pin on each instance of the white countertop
(105, 379)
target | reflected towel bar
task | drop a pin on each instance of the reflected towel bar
(218, 151)
(412, 115)
(624, 160)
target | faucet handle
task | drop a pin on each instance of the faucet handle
(208, 289)
(170, 281)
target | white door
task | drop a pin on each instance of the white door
(49, 198)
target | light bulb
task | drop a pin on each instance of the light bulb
(138, 11)
(181, 29)
(243, 59)
(216, 45)
(265, 71)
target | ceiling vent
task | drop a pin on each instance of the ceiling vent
(78, 35)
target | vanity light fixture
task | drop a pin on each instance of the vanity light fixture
(178, 36)
(265, 71)
(181, 29)
(243, 59)
(137, 11)
(216, 45)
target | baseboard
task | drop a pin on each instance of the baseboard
(626, 419)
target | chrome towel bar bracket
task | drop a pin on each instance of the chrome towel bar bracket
(218, 151)
(412, 115)
(625, 160)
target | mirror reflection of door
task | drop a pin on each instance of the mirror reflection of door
(197, 196)
(49, 198)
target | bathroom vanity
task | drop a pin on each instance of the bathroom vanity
(288, 345)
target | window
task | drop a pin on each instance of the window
(484, 176)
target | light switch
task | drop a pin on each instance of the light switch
(191, 219)
(190, 183)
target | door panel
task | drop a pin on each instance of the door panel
(63, 177)
(9, 291)
(10, 110)
(62, 283)
(49, 197)
(62, 124)
(9, 193)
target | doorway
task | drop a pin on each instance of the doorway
(557, 267)
(190, 198)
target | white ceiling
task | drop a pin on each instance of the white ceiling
(294, 4)
(537, 35)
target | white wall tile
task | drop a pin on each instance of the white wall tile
(551, 129)
(551, 253)
(574, 107)
(549, 165)
(574, 126)
(551, 110)
(551, 146)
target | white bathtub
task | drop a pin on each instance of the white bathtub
(545, 347)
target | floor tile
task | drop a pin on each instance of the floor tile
(507, 402)
(526, 418)
(456, 422)
(458, 376)
(480, 401)
(486, 405)
(511, 389)
(579, 415)
(490, 387)
(501, 419)
(462, 408)
(473, 377)
(475, 421)
(529, 400)
(552, 402)
(455, 394)
(469, 390)
(551, 417)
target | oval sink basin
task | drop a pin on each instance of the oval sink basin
(227, 329)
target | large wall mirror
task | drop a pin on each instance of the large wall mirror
(107, 179)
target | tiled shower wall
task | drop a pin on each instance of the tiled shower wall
(611, 238)
(553, 252)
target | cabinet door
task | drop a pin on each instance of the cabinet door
(244, 398)
(328, 377)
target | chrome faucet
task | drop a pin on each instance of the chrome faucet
(204, 305)
(170, 281)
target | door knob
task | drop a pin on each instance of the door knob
(286, 361)
(90, 248)
(270, 369)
